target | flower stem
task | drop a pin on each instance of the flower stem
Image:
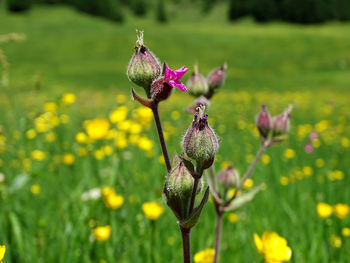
(193, 196)
(218, 236)
(185, 233)
(161, 136)
(250, 170)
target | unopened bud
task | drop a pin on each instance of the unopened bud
(201, 101)
(215, 80)
(197, 85)
(229, 177)
(144, 67)
(160, 90)
(178, 190)
(263, 122)
(200, 142)
(280, 123)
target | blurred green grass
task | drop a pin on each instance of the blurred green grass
(73, 51)
(276, 64)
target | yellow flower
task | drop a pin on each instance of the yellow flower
(121, 141)
(284, 180)
(145, 144)
(106, 190)
(113, 201)
(50, 137)
(289, 153)
(81, 137)
(232, 218)
(273, 247)
(82, 151)
(249, 183)
(97, 128)
(307, 171)
(50, 107)
(102, 233)
(64, 118)
(345, 142)
(324, 210)
(119, 115)
(68, 98)
(341, 210)
(68, 159)
(205, 256)
(319, 162)
(31, 134)
(265, 159)
(38, 155)
(108, 150)
(120, 98)
(35, 189)
(152, 210)
(345, 232)
(2, 252)
(336, 241)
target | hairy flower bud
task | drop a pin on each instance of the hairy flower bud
(229, 177)
(178, 190)
(160, 90)
(280, 123)
(200, 142)
(197, 85)
(144, 67)
(215, 79)
(263, 122)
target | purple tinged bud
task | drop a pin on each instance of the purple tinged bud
(178, 189)
(280, 123)
(197, 85)
(263, 122)
(160, 90)
(200, 142)
(144, 67)
(215, 79)
(229, 177)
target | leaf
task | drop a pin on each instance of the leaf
(18, 182)
(145, 102)
(192, 220)
(243, 198)
(189, 165)
(16, 231)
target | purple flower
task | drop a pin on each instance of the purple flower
(172, 77)
(308, 148)
(313, 135)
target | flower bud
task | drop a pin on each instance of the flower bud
(160, 90)
(144, 67)
(215, 79)
(197, 85)
(200, 142)
(280, 123)
(229, 177)
(178, 190)
(263, 122)
(201, 101)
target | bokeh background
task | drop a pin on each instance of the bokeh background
(68, 125)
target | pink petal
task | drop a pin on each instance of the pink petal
(180, 72)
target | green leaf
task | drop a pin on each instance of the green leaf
(192, 220)
(243, 198)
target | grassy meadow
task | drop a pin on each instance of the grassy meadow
(48, 163)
